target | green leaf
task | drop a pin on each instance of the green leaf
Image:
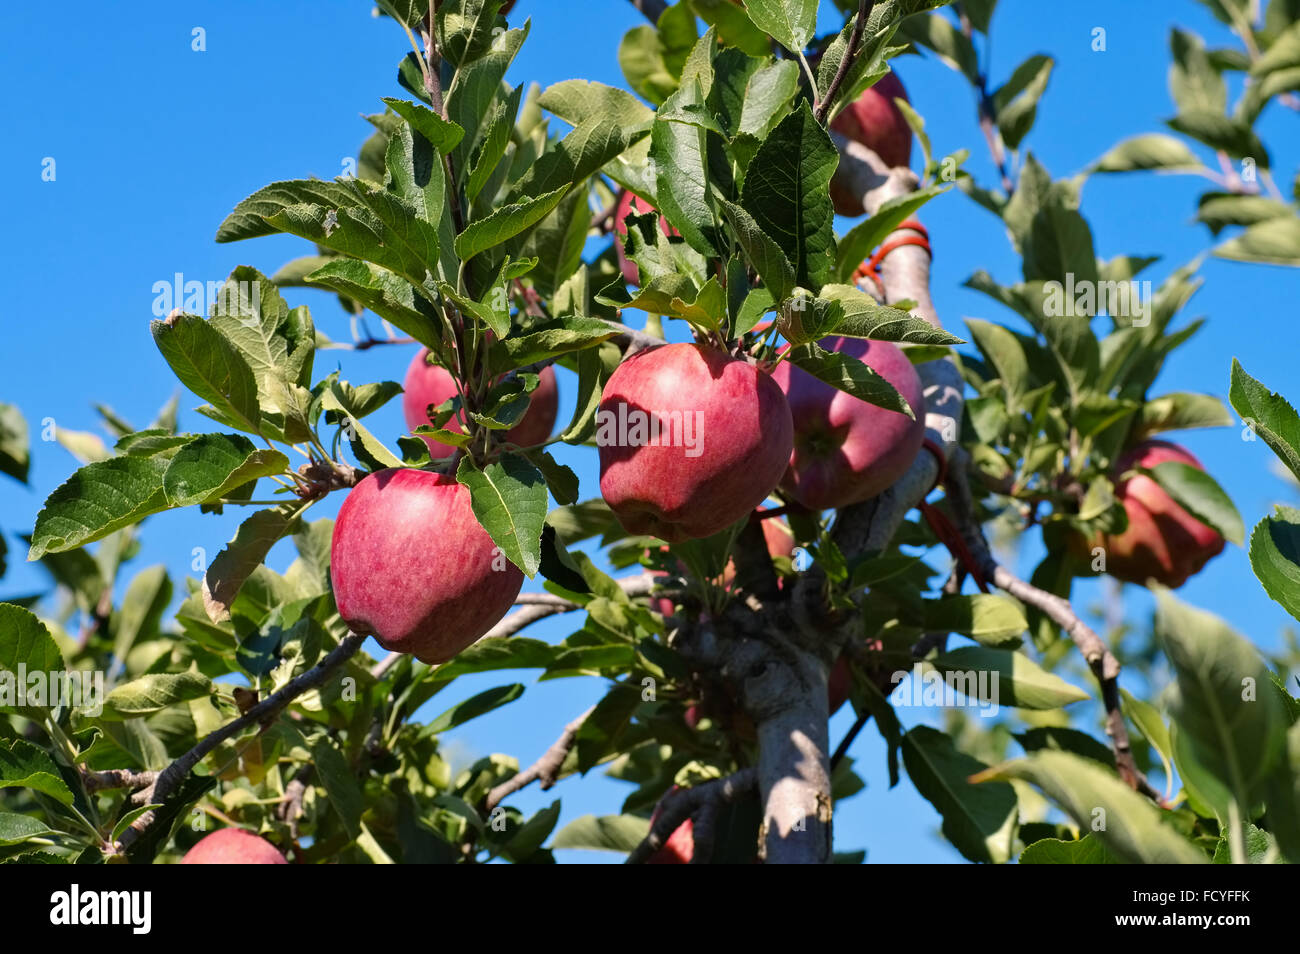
(1060, 739)
(679, 152)
(578, 101)
(340, 783)
(208, 364)
(15, 456)
(1224, 705)
(1218, 210)
(850, 375)
(1088, 850)
(1275, 557)
(509, 499)
(505, 223)
(604, 833)
(142, 607)
(15, 829)
(979, 820)
(953, 48)
(441, 134)
(762, 252)
(1020, 681)
(1152, 726)
(1182, 410)
(787, 191)
(212, 465)
(1193, 80)
(1150, 151)
(248, 220)
(1267, 414)
(474, 87)
(547, 340)
(97, 500)
(388, 296)
(791, 22)
(154, 692)
(1200, 495)
(1220, 132)
(473, 707)
(1016, 102)
(25, 642)
(990, 619)
(367, 448)
(1272, 242)
(24, 765)
(1128, 825)
(865, 318)
(243, 554)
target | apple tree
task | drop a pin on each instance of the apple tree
(801, 472)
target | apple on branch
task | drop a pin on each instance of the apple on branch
(846, 450)
(690, 440)
(428, 385)
(233, 846)
(412, 567)
(1162, 542)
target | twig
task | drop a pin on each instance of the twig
(116, 778)
(823, 108)
(1105, 667)
(536, 606)
(290, 808)
(264, 713)
(546, 769)
(681, 805)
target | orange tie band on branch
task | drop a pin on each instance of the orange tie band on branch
(870, 269)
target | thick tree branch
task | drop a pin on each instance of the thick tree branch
(262, 713)
(546, 769)
(683, 804)
(116, 778)
(1105, 667)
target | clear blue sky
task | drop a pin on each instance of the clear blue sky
(155, 143)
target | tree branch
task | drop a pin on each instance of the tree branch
(1105, 667)
(546, 769)
(823, 108)
(681, 805)
(264, 713)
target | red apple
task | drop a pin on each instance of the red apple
(846, 450)
(412, 567)
(680, 846)
(690, 440)
(627, 204)
(875, 121)
(429, 384)
(1163, 541)
(233, 846)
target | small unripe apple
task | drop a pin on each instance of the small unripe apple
(429, 384)
(1163, 541)
(680, 846)
(846, 450)
(690, 440)
(233, 846)
(412, 566)
(629, 203)
(874, 120)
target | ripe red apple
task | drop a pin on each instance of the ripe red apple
(1163, 541)
(680, 846)
(874, 120)
(846, 450)
(429, 384)
(627, 204)
(233, 846)
(412, 567)
(690, 440)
